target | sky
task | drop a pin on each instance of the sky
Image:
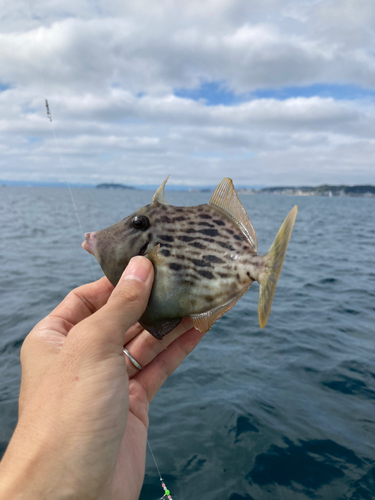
(267, 92)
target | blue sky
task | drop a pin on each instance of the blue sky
(276, 92)
(216, 93)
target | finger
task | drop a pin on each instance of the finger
(132, 332)
(107, 327)
(83, 301)
(144, 347)
(153, 376)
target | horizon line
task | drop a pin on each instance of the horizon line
(170, 187)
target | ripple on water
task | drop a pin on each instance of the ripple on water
(351, 378)
(244, 424)
(310, 464)
(362, 488)
(236, 496)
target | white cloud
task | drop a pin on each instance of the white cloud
(109, 70)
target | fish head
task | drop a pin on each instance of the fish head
(114, 246)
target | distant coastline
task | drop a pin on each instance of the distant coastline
(362, 191)
(113, 186)
(366, 191)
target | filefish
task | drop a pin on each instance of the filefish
(205, 258)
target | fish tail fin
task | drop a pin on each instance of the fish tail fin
(275, 259)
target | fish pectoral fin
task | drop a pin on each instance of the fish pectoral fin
(204, 321)
(159, 195)
(154, 255)
(226, 198)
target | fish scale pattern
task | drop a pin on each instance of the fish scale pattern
(208, 254)
(204, 258)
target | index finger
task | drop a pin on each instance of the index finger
(84, 301)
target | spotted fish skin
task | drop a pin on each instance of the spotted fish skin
(203, 261)
(204, 258)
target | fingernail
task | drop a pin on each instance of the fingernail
(137, 269)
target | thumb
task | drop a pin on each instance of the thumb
(125, 306)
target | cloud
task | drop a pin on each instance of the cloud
(127, 82)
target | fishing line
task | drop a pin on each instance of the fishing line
(62, 163)
(67, 182)
(167, 494)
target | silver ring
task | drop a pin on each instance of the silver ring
(133, 361)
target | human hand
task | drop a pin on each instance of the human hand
(83, 408)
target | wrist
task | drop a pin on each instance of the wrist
(30, 470)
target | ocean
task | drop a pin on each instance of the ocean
(287, 412)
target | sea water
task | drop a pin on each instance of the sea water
(287, 412)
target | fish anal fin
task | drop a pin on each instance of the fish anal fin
(204, 321)
(226, 198)
(159, 195)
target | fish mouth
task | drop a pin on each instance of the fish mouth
(90, 243)
(142, 250)
(85, 246)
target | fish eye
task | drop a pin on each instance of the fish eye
(140, 222)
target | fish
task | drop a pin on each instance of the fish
(205, 258)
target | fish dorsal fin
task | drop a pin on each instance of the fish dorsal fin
(226, 198)
(159, 195)
(204, 321)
